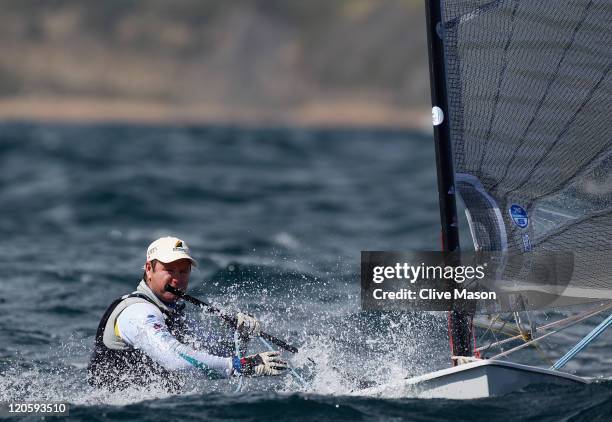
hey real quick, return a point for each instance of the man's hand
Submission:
(247, 325)
(266, 363)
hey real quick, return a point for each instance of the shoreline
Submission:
(314, 114)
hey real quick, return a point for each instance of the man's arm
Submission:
(142, 326)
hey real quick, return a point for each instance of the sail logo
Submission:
(526, 243)
(519, 216)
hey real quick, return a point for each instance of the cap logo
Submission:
(179, 246)
(152, 251)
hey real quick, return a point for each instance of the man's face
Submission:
(174, 273)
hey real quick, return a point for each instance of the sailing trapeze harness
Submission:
(116, 365)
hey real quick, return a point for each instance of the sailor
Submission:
(142, 337)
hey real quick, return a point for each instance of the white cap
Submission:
(169, 249)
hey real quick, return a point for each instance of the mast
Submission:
(459, 322)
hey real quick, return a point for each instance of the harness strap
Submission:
(110, 339)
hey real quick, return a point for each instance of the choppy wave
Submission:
(276, 218)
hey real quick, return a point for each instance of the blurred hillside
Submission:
(310, 61)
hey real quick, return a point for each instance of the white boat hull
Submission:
(483, 378)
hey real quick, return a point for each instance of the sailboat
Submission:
(521, 97)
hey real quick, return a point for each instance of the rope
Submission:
(548, 334)
(476, 352)
(493, 321)
(237, 351)
(495, 340)
(450, 337)
(293, 372)
(579, 317)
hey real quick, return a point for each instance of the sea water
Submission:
(277, 218)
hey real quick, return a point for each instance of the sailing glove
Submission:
(266, 363)
(247, 325)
